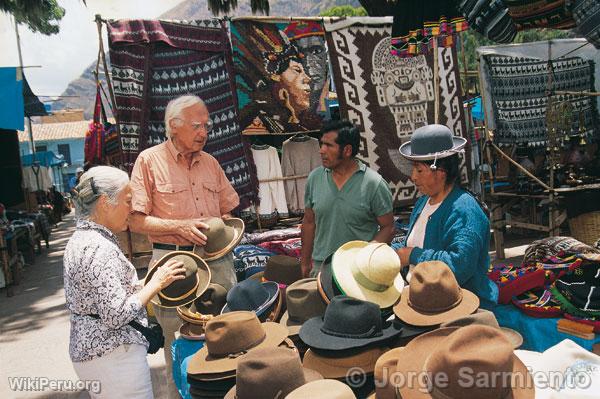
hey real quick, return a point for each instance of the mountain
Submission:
(85, 88)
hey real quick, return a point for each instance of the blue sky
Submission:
(64, 56)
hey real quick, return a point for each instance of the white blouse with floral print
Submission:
(100, 280)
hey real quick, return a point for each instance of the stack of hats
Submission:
(222, 236)
(264, 299)
(351, 334)
(474, 361)
(303, 303)
(203, 309)
(229, 338)
(363, 270)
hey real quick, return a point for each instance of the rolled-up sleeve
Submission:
(141, 187)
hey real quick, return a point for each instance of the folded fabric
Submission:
(271, 235)
(250, 259)
(290, 247)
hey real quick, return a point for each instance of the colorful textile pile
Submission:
(272, 235)
(519, 97)
(250, 259)
(418, 23)
(156, 61)
(388, 97)
(290, 247)
(282, 75)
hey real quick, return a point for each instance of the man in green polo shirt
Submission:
(344, 199)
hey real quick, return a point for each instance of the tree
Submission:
(39, 15)
(344, 11)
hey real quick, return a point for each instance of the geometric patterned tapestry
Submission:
(281, 74)
(154, 62)
(388, 97)
(519, 96)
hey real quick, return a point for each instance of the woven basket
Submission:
(586, 227)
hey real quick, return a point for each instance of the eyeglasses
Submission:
(199, 125)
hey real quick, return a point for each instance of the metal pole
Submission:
(31, 143)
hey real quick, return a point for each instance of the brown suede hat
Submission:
(303, 302)
(434, 296)
(474, 362)
(280, 268)
(222, 236)
(229, 337)
(181, 292)
(486, 318)
(270, 373)
(335, 364)
(384, 374)
(192, 332)
(322, 389)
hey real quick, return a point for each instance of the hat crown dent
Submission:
(345, 313)
(433, 286)
(217, 236)
(430, 139)
(268, 371)
(481, 317)
(233, 332)
(473, 349)
(379, 263)
(303, 300)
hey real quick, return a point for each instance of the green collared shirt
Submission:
(347, 214)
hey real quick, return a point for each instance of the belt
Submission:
(172, 247)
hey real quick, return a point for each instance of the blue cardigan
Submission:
(458, 234)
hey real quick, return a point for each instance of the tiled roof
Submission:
(55, 131)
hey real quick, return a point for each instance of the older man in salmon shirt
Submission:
(175, 186)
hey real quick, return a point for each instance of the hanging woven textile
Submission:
(417, 23)
(94, 137)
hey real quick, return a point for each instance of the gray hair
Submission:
(176, 106)
(98, 181)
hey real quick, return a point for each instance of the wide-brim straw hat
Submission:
(432, 142)
(198, 283)
(434, 297)
(368, 271)
(432, 353)
(233, 231)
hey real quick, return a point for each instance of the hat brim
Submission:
(385, 368)
(203, 273)
(325, 281)
(342, 274)
(458, 143)
(309, 376)
(412, 360)
(273, 290)
(203, 363)
(311, 334)
(238, 230)
(408, 330)
(186, 331)
(331, 367)
(292, 326)
(468, 305)
(185, 315)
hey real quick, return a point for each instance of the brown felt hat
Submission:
(385, 374)
(222, 236)
(486, 318)
(303, 302)
(229, 337)
(212, 300)
(181, 292)
(270, 373)
(280, 268)
(192, 332)
(334, 364)
(474, 362)
(434, 296)
(322, 389)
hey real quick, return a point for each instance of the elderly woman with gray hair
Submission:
(103, 293)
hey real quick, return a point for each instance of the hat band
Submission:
(179, 298)
(242, 351)
(438, 309)
(364, 280)
(372, 333)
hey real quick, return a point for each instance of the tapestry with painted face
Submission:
(281, 74)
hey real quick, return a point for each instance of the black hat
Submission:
(327, 285)
(250, 295)
(347, 323)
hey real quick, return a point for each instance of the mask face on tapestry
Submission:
(315, 65)
(405, 85)
(296, 83)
